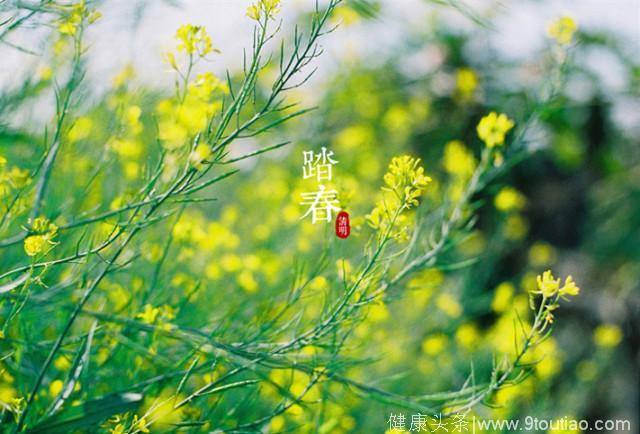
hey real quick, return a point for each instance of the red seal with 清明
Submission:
(343, 227)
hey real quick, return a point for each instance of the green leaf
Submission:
(89, 414)
(365, 8)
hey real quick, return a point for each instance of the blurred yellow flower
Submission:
(502, 298)
(118, 429)
(492, 128)
(509, 199)
(541, 254)
(458, 159)
(434, 345)
(467, 336)
(62, 363)
(378, 312)
(140, 424)
(516, 227)
(200, 155)
(607, 335)
(263, 8)
(562, 29)
(149, 314)
(466, 81)
(55, 387)
(247, 282)
(449, 305)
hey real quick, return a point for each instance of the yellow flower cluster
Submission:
(263, 8)
(11, 178)
(70, 24)
(128, 145)
(42, 234)
(194, 40)
(562, 30)
(405, 183)
(549, 286)
(493, 127)
(406, 178)
(180, 119)
(158, 315)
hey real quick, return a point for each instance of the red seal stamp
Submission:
(343, 227)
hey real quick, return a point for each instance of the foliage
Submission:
(156, 275)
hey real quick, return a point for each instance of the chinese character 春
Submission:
(321, 204)
(318, 165)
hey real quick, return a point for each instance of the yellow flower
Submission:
(493, 127)
(405, 182)
(607, 335)
(70, 24)
(16, 405)
(569, 287)
(541, 254)
(467, 336)
(55, 387)
(149, 315)
(547, 284)
(43, 234)
(140, 424)
(562, 29)
(168, 312)
(62, 363)
(194, 40)
(502, 298)
(199, 156)
(405, 175)
(42, 225)
(118, 429)
(247, 282)
(267, 8)
(434, 345)
(449, 305)
(458, 160)
(509, 199)
(35, 244)
(378, 312)
(466, 81)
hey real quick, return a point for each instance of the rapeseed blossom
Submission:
(548, 286)
(493, 127)
(562, 29)
(267, 8)
(194, 40)
(405, 183)
(42, 234)
(140, 424)
(407, 176)
(70, 24)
